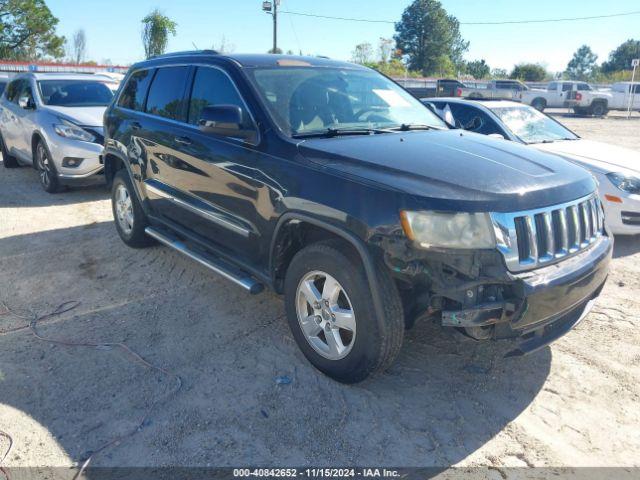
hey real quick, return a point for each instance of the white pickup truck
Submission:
(555, 96)
(495, 89)
(599, 102)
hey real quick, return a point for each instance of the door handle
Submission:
(135, 126)
(183, 140)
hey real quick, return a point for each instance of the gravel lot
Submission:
(447, 400)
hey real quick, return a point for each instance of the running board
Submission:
(236, 276)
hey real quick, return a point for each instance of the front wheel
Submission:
(46, 169)
(332, 317)
(539, 104)
(129, 217)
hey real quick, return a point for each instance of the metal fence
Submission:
(19, 67)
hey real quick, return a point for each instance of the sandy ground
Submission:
(447, 401)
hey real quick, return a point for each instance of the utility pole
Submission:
(275, 25)
(271, 7)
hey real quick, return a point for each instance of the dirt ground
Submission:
(447, 400)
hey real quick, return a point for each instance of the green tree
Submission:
(156, 28)
(28, 30)
(427, 33)
(499, 73)
(529, 72)
(583, 65)
(478, 69)
(620, 58)
(362, 53)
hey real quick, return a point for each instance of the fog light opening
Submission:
(72, 162)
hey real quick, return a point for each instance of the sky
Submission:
(113, 28)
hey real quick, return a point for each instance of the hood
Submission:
(83, 116)
(600, 157)
(455, 169)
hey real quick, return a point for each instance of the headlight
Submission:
(449, 230)
(69, 130)
(626, 183)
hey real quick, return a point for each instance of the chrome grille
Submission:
(536, 238)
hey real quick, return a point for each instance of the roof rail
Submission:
(187, 52)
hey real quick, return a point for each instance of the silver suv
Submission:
(54, 123)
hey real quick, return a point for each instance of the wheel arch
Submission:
(284, 237)
(112, 164)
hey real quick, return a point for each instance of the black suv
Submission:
(328, 183)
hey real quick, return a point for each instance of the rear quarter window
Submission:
(134, 92)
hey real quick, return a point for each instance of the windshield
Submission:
(531, 126)
(308, 100)
(75, 93)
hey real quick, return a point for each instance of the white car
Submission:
(617, 169)
(53, 122)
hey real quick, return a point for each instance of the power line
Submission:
(508, 22)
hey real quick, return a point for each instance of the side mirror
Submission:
(499, 136)
(225, 120)
(26, 102)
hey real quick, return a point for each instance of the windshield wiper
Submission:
(338, 132)
(407, 127)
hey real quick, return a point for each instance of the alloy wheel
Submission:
(124, 209)
(44, 166)
(326, 315)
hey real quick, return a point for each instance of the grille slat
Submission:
(594, 217)
(564, 232)
(535, 238)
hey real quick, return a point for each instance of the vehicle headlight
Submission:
(69, 130)
(626, 183)
(449, 230)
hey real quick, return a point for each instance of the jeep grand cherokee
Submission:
(328, 183)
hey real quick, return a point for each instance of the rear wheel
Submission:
(599, 109)
(46, 169)
(8, 161)
(539, 104)
(129, 217)
(332, 317)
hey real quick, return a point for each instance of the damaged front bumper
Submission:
(544, 304)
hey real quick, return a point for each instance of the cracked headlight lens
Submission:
(449, 230)
(626, 183)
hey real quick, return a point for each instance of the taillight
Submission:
(459, 92)
(578, 96)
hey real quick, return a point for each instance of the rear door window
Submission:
(166, 95)
(211, 87)
(135, 91)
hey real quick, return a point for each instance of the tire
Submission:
(599, 109)
(9, 161)
(369, 346)
(539, 104)
(128, 215)
(47, 173)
